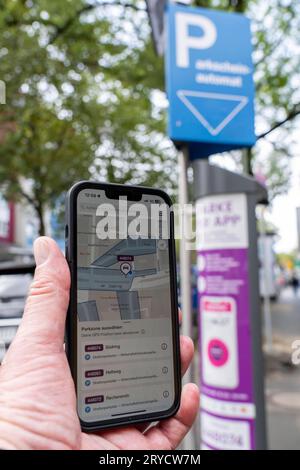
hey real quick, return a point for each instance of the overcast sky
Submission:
(283, 212)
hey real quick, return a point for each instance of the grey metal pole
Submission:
(246, 162)
(298, 226)
(185, 256)
(256, 327)
(266, 296)
(185, 270)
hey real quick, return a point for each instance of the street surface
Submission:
(283, 378)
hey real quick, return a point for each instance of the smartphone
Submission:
(122, 326)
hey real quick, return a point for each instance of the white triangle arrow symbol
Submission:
(241, 101)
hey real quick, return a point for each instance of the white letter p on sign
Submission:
(184, 42)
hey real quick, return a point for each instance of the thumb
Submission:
(42, 327)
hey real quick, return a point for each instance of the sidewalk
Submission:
(282, 378)
(286, 316)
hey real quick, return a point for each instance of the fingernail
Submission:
(41, 251)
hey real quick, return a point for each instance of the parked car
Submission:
(8, 330)
(13, 292)
(16, 271)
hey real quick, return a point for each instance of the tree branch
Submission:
(290, 116)
(273, 47)
(59, 30)
(24, 194)
(62, 29)
(28, 198)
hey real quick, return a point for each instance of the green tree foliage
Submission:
(80, 80)
(85, 94)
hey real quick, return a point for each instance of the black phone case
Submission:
(71, 325)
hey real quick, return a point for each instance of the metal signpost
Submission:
(298, 226)
(232, 384)
(155, 9)
(265, 280)
(210, 90)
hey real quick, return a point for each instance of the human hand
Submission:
(37, 394)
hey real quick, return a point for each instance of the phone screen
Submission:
(125, 336)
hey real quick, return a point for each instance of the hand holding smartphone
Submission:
(122, 331)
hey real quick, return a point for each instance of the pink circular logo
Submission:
(217, 352)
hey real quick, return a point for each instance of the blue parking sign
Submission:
(209, 80)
